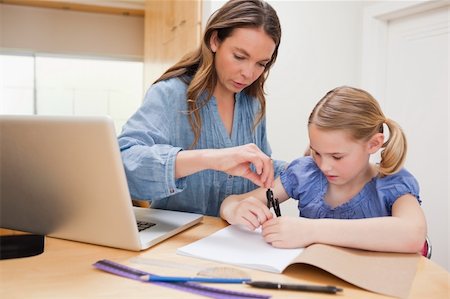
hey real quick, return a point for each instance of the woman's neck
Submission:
(223, 95)
(225, 106)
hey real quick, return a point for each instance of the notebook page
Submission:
(237, 246)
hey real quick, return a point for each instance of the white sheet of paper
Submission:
(241, 247)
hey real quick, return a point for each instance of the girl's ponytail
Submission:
(394, 150)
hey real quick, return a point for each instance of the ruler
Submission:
(190, 287)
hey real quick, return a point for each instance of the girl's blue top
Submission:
(304, 181)
(152, 137)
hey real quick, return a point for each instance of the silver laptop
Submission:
(63, 177)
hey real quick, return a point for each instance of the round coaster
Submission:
(15, 246)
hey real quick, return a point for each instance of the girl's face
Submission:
(339, 157)
(241, 58)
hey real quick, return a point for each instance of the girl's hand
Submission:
(249, 212)
(288, 232)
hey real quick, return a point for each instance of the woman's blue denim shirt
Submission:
(159, 129)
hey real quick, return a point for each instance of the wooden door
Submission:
(172, 29)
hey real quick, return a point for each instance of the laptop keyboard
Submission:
(144, 225)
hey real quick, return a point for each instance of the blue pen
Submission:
(155, 278)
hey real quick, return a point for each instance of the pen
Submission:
(295, 287)
(192, 279)
(273, 202)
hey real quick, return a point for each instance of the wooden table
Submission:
(65, 270)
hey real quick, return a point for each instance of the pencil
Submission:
(155, 278)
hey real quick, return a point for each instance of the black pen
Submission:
(273, 202)
(294, 287)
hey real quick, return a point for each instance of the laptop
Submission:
(63, 176)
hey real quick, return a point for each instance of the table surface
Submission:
(65, 270)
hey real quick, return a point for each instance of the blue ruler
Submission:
(191, 287)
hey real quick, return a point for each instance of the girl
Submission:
(202, 123)
(344, 200)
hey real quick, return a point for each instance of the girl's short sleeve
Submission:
(301, 178)
(391, 187)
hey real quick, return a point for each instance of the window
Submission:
(16, 84)
(50, 85)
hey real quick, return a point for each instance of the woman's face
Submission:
(241, 58)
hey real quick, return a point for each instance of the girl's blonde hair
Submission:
(197, 68)
(356, 111)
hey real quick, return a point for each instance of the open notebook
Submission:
(386, 273)
(63, 176)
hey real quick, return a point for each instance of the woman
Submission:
(200, 134)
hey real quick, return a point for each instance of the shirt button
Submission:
(171, 190)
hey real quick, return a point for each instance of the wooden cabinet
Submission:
(172, 28)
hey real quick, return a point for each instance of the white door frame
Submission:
(375, 38)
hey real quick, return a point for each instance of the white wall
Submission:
(32, 29)
(320, 50)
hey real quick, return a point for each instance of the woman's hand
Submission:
(288, 232)
(249, 212)
(237, 161)
(232, 160)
